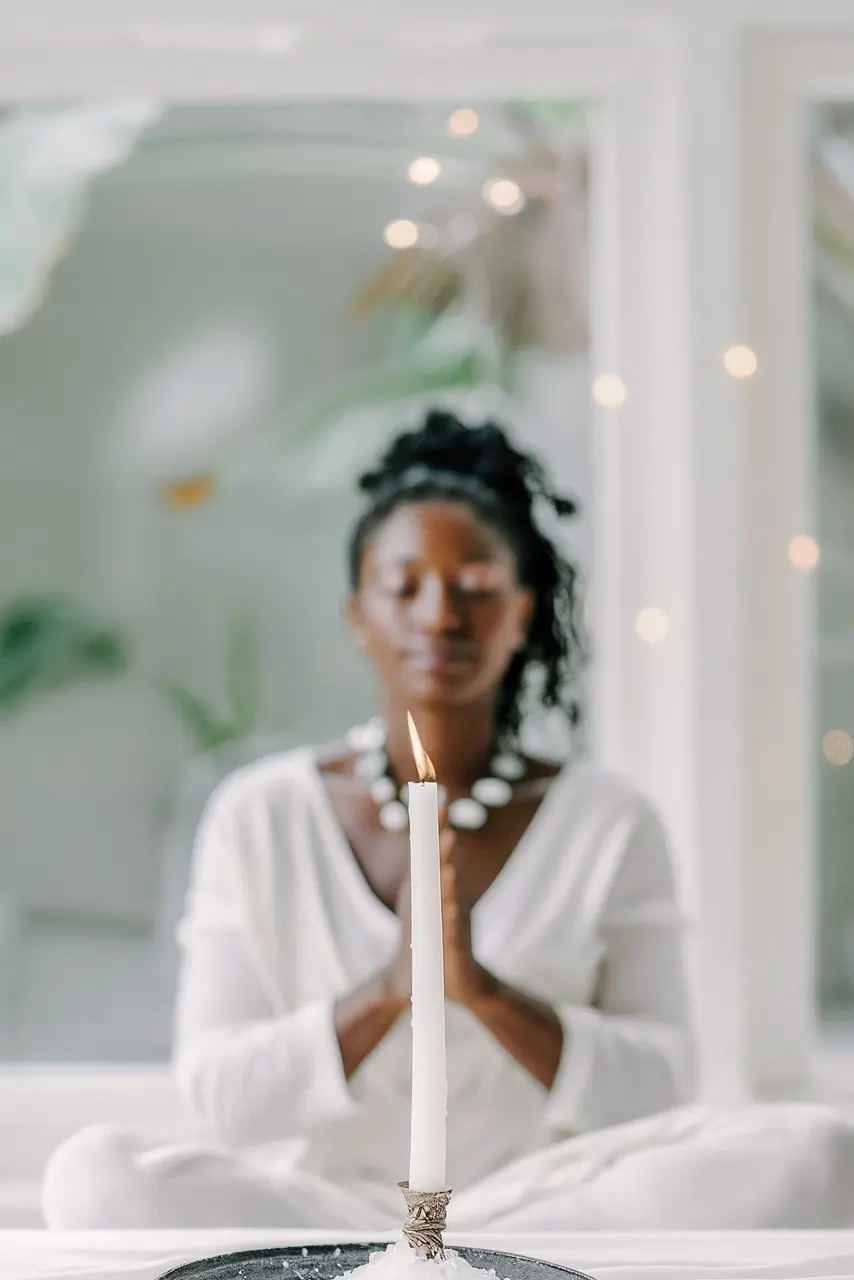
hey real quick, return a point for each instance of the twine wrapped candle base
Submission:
(425, 1220)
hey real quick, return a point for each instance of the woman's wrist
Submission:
(364, 1017)
(530, 1031)
(479, 991)
(391, 991)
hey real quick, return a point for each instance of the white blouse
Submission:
(280, 922)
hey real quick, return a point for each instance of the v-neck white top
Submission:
(280, 922)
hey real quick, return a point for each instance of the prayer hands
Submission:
(464, 978)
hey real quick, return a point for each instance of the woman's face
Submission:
(439, 610)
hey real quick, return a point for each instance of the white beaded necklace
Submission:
(467, 813)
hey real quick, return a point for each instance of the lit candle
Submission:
(429, 1068)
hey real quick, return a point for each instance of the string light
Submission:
(504, 195)
(609, 391)
(652, 625)
(401, 234)
(804, 553)
(838, 747)
(463, 122)
(740, 362)
(424, 170)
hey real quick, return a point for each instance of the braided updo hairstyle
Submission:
(446, 459)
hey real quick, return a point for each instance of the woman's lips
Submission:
(441, 658)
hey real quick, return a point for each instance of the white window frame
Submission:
(683, 265)
(644, 534)
(784, 72)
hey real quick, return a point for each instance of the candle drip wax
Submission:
(400, 1262)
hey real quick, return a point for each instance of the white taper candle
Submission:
(427, 1155)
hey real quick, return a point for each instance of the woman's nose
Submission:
(436, 607)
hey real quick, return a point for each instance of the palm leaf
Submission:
(413, 280)
(206, 729)
(243, 677)
(400, 379)
(834, 242)
(50, 643)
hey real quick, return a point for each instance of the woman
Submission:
(567, 1016)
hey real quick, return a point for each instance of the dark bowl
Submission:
(329, 1261)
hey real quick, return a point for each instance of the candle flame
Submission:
(423, 763)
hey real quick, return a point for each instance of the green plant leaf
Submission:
(208, 730)
(551, 111)
(243, 671)
(834, 242)
(49, 643)
(205, 728)
(395, 380)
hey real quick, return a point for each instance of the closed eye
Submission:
(485, 580)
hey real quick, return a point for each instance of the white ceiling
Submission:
(480, 18)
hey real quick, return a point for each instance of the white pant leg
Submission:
(103, 1178)
(771, 1167)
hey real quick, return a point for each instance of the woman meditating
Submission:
(569, 1044)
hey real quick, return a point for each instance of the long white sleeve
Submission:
(253, 1073)
(631, 1053)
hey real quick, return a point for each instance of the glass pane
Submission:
(833, 200)
(210, 323)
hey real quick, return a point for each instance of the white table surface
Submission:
(130, 1255)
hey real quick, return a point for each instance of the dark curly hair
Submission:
(446, 459)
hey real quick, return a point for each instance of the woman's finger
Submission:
(450, 912)
(447, 842)
(403, 905)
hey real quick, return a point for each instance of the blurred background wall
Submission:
(185, 403)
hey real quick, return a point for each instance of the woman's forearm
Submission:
(531, 1032)
(364, 1017)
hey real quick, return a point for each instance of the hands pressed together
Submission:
(528, 1030)
(465, 979)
